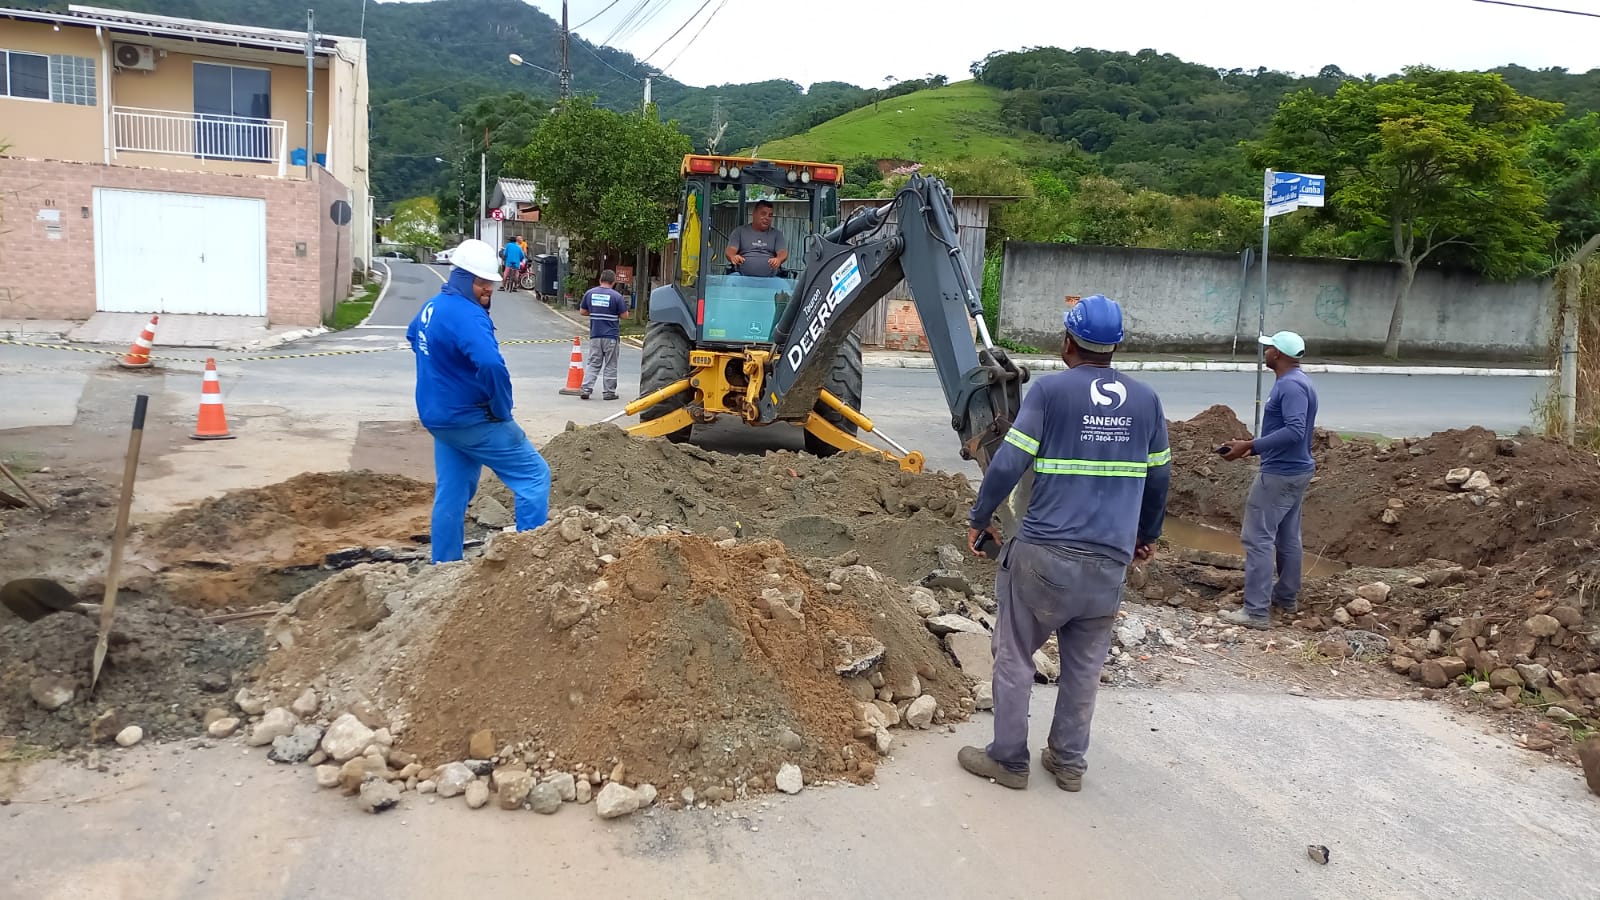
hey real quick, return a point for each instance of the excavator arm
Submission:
(852, 267)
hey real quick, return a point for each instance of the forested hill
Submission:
(1157, 121)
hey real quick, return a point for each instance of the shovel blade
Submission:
(31, 599)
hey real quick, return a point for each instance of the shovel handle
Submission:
(130, 468)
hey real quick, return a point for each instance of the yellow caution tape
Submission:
(154, 356)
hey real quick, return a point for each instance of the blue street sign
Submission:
(1288, 191)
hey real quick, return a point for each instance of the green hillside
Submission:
(958, 120)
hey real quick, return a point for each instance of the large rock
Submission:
(378, 795)
(1360, 606)
(452, 780)
(513, 788)
(278, 722)
(1588, 685)
(129, 736)
(1505, 677)
(1130, 632)
(1432, 674)
(480, 744)
(477, 794)
(327, 776)
(615, 800)
(252, 702)
(1533, 675)
(566, 785)
(1478, 481)
(545, 799)
(1568, 616)
(223, 727)
(790, 779)
(1458, 477)
(1454, 666)
(296, 747)
(920, 713)
(949, 579)
(1589, 755)
(52, 692)
(346, 738)
(358, 770)
(923, 603)
(983, 695)
(1542, 626)
(490, 513)
(974, 653)
(951, 623)
(1376, 592)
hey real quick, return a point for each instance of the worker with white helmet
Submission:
(464, 400)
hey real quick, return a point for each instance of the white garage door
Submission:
(180, 253)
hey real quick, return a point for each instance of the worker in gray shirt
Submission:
(758, 249)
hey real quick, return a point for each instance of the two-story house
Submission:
(151, 164)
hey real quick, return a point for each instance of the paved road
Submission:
(519, 316)
(1190, 794)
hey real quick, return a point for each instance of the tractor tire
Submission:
(666, 360)
(844, 381)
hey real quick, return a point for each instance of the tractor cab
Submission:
(729, 304)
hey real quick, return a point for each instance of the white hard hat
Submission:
(478, 258)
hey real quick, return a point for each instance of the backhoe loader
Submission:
(782, 348)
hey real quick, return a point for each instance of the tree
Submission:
(1566, 157)
(610, 179)
(1431, 167)
(416, 223)
(509, 120)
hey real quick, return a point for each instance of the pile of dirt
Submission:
(164, 669)
(261, 545)
(817, 507)
(596, 642)
(1390, 504)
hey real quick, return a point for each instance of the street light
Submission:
(517, 60)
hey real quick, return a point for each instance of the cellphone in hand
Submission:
(985, 543)
(1222, 449)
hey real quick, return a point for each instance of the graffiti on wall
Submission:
(1333, 305)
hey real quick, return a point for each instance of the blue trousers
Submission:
(1271, 538)
(459, 455)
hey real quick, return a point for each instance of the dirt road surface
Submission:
(1189, 795)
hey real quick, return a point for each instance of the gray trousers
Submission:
(1271, 538)
(1043, 590)
(602, 353)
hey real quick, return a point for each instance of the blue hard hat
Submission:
(1095, 323)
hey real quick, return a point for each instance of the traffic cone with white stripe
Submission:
(139, 353)
(213, 424)
(575, 370)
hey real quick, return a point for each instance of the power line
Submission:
(678, 32)
(603, 11)
(696, 36)
(1570, 12)
(637, 25)
(626, 21)
(596, 54)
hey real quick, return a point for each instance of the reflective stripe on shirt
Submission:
(1095, 467)
(1022, 442)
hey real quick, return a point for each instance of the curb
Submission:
(383, 291)
(1055, 365)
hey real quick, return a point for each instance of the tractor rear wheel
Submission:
(844, 381)
(666, 360)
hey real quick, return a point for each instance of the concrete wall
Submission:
(1180, 301)
(47, 274)
(334, 261)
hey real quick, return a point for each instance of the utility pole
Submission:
(566, 73)
(311, 49)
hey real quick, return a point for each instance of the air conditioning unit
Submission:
(135, 56)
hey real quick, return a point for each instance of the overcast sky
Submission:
(861, 41)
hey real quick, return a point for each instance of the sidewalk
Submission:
(1140, 362)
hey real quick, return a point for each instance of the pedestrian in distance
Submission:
(513, 256)
(1096, 441)
(1271, 530)
(464, 400)
(605, 308)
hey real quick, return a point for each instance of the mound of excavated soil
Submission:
(1541, 491)
(596, 641)
(817, 507)
(164, 669)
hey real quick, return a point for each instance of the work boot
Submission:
(1066, 779)
(1240, 617)
(976, 760)
(610, 396)
(584, 395)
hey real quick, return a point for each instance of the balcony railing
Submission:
(200, 136)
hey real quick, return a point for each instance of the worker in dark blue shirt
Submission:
(464, 400)
(604, 307)
(1096, 441)
(1271, 529)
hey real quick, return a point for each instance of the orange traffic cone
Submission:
(139, 353)
(575, 371)
(213, 424)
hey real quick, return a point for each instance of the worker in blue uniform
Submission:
(1096, 441)
(464, 400)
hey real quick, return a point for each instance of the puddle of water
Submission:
(1215, 540)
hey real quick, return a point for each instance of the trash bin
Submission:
(549, 278)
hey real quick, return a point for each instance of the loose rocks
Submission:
(378, 795)
(545, 799)
(296, 747)
(453, 779)
(278, 722)
(920, 713)
(305, 705)
(327, 776)
(129, 736)
(477, 794)
(223, 727)
(616, 800)
(346, 738)
(790, 780)
(52, 692)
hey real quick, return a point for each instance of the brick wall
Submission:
(902, 328)
(47, 268)
(334, 263)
